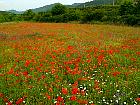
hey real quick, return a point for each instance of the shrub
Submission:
(130, 20)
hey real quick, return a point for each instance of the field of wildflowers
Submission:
(69, 64)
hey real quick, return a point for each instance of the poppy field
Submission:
(69, 64)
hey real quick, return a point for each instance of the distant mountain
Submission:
(44, 8)
(86, 4)
(76, 4)
(103, 2)
(49, 7)
(4, 12)
(40, 9)
(16, 12)
(91, 3)
(97, 2)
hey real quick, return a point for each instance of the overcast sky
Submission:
(21, 5)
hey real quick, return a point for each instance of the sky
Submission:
(22, 5)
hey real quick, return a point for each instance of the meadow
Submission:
(69, 64)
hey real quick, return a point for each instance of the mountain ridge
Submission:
(74, 5)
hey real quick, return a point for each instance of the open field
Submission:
(69, 64)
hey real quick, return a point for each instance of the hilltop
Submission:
(75, 5)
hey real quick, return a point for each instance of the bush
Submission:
(104, 18)
(96, 15)
(130, 20)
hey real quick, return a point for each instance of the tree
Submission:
(137, 5)
(58, 9)
(126, 8)
(28, 15)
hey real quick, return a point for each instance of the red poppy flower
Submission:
(70, 47)
(27, 63)
(5, 100)
(41, 65)
(43, 76)
(82, 102)
(75, 84)
(116, 73)
(88, 61)
(83, 92)
(74, 90)
(16, 74)
(59, 99)
(19, 101)
(11, 71)
(73, 98)
(1, 95)
(100, 57)
(57, 103)
(1, 66)
(68, 55)
(25, 73)
(138, 53)
(49, 97)
(9, 103)
(105, 65)
(138, 99)
(110, 52)
(64, 91)
(62, 104)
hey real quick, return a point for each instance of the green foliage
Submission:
(137, 7)
(58, 9)
(74, 15)
(97, 3)
(28, 15)
(41, 16)
(6, 17)
(126, 8)
(128, 12)
(96, 15)
(130, 19)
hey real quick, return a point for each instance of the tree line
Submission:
(126, 13)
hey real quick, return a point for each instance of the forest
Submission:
(127, 13)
